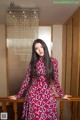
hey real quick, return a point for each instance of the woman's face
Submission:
(39, 49)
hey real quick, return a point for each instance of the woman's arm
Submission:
(56, 82)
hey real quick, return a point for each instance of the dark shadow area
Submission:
(10, 111)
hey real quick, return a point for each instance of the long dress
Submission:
(40, 100)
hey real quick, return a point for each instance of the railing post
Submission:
(4, 109)
(15, 110)
(73, 110)
(61, 109)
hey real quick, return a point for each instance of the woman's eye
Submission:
(40, 47)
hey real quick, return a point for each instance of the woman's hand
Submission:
(13, 97)
(67, 97)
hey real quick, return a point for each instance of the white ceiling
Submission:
(49, 13)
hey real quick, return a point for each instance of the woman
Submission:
(40, 100)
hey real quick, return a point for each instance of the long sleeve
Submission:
(56, 82)
(24, 84)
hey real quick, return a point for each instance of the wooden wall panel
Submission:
(68, 55)
(75, 55)
(79, 57)
(64, 58)
(71, 54)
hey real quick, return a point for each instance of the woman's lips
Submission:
(40, 52)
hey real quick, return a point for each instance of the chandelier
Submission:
(22, 30)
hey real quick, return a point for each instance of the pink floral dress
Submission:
(40, 99)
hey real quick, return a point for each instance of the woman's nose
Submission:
(40, 49)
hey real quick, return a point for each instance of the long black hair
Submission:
(47, 61)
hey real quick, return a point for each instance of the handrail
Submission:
(72, 100)
(6, 99)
